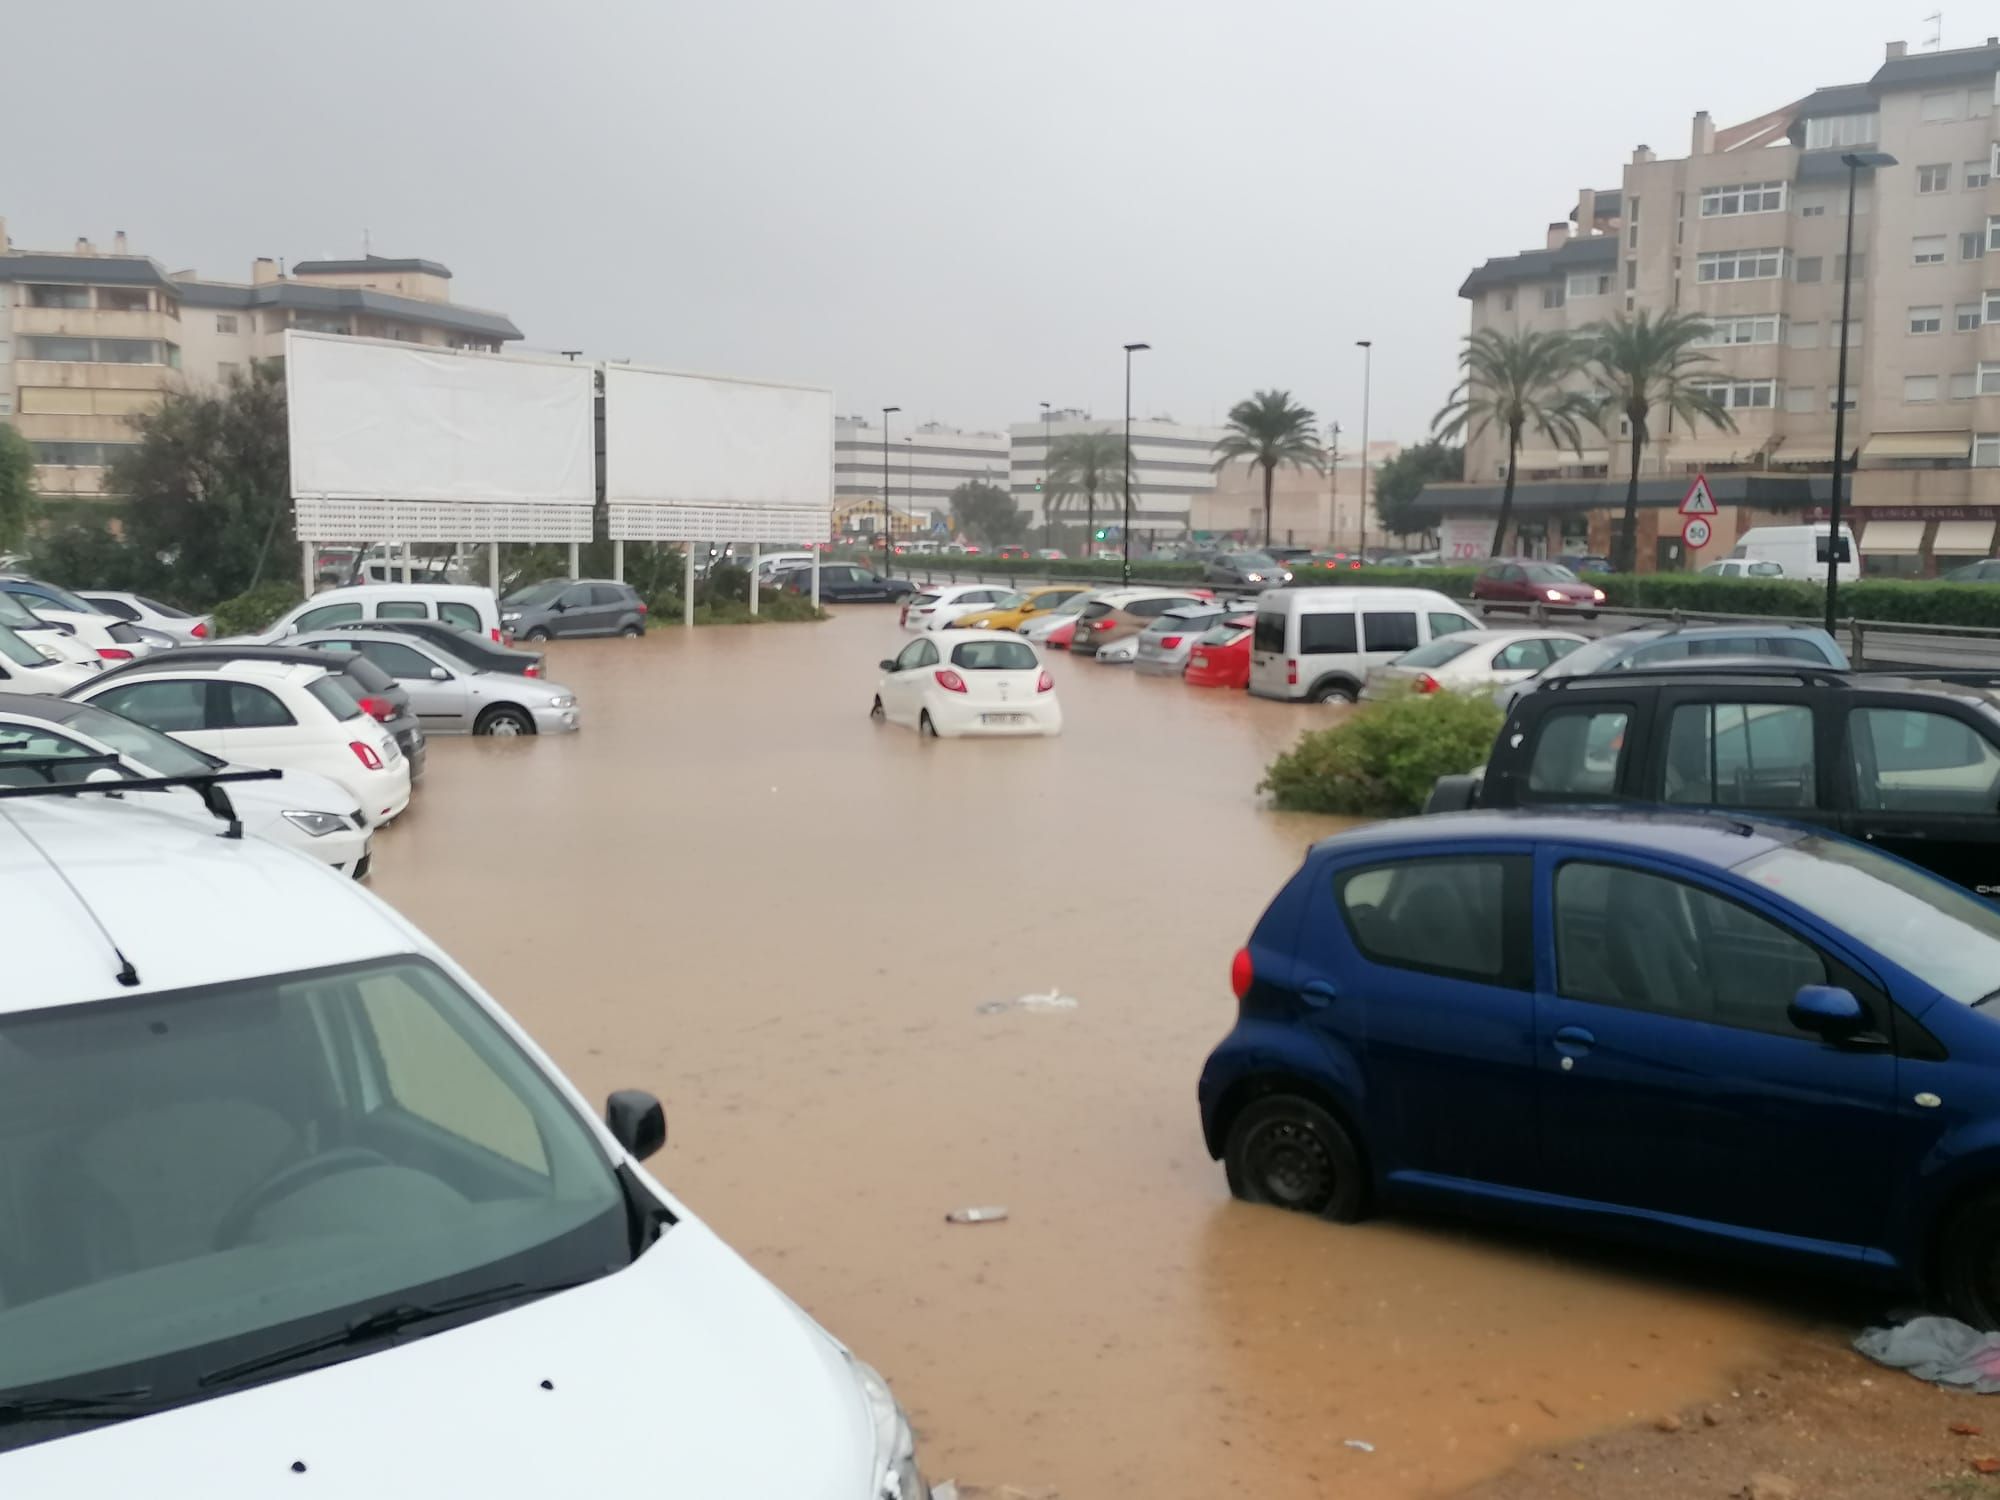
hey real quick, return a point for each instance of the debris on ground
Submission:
(1667, 1422)
(1053, 999)
(1770, 1487)
(987, 1213)
(1359, 1444)
(1942, 1350)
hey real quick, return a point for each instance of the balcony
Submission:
(31, 372)
(91, 322)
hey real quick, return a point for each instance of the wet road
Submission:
(735, 890)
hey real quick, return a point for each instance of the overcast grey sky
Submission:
(958, 207)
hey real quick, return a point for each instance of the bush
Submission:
(250, 612)
(1381, 758)
(773, 607)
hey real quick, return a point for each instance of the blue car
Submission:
(1706, 1031)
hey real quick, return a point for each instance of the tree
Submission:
(1512, 382)
(986, 513)
(1639, 364)
(1086, 464)
(17, 487)
(1399, 481)
(1267, 430)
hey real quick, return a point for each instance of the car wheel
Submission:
(633, 630)
(538, 633)
(877, 713)
(1590, 614)
(504, 721)
(925, 727)
(1285, 1151)
(1969, 1262)
(1331, 692)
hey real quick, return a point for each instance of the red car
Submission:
(1011, 553)
(1529, 580)
(1060, 636)
(1221, 657)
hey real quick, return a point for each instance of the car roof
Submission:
(241, 908)
(282, 673)
(1716, 839)
(204, 657)
(1354, 593)
(955, 634)
(1650, 633)
(374, 633)
(366, 591)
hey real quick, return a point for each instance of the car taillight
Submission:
(368, 758)
(905, 617)
(378, 708)
(114, 653)
(1291, 673)
(200, 631)
(533, 671)
(1169, 642)
(1242, 972)
(495, 633)
(642, 602)
(1104, 624)
(1045, 683)
(949, 680)
(1426, 683)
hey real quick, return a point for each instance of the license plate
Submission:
(1003, 718)
(1199, 661)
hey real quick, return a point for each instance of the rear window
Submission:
(994, 656)
(1436, 654)
(1097, 609)
(1269, 634)
(332, 695)
(1224, 634)
(921, 599)
(461, 616)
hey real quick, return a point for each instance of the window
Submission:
(1631, 274)
(1799, 398)
(1920, 387)
(1267, 634)
(225, 322)
(463, 616)
(1976, 174)
(397, 660)
(1552, 294)
(911, 656)
(1860, 266)
(1587, 284)
(402, 609)
(252, 707)
(110, 606)
(1522, 656)
(1739, 265)
(994, 656)
(1461, 917)
(124, 299)
(1965, 317)
(73, 351)
(58, 296)
(1320, 634)
(1993, 231)
(77, 455)
(1811, 205)
(1759, 329)
(1960, 387)
(173, 707)
(327, 614)
(1738, 395)
(1849, 398)
(1805, 270)
(1448, 624)
(1934, 179)
(1741, 755)
(612, 595)
(1853, 335)
(1986, 451)
(1927, 250)
(1578, 752)
(1842, 130)
(1971, 245)
(1743, 198)
(1989, 379)
(1388, 630)
(1506, 302)
(1948, 105)
(1927, 320)
(227, 370)
(1802, 335)
(1641, 941)
(1912, 760)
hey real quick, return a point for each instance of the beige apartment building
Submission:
(1746, 230)
(90, 337)
(1307, 509)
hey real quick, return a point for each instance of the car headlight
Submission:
(317, 824)
(1254, 577)
(894, 1474)
(1597, 596)
(563, 700)
(508, 617)
(1554, 596)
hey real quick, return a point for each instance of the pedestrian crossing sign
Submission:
(1700, 501)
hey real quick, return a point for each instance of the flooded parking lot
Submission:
(734, 889)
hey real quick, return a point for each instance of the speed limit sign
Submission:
(1696, 532)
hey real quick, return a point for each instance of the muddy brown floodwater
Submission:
(733, 889)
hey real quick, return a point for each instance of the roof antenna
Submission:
(127, 975)
(1936, 42)
(366, 246)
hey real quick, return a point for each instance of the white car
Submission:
(1743, 567)
(23, 669)
(1120, 653)
(266, 714)
(137, 609)
(934, 609)
(51, 641)
(461, 606)
(770, 564)
(299, 1207)
(953, 683)
(1469, 660)
(298, 809)
(113, 639)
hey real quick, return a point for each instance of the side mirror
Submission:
(439, 674)
(1827, 1011)
(887, 666)
(636, 1121)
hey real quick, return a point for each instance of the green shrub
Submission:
(255, 610)
(1381, 758)
(1693, 591)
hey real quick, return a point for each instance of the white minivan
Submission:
(462, 606)
(1318, 644)
(1799, 550)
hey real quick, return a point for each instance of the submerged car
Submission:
(955, 683)
(1220, 657)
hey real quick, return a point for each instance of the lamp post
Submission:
(1367, 348)
(1048, 496)
(1854, 162)
(1125, 572)
(887, 412)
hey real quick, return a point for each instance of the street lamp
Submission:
(910, 480)
(1367, 348)
(887, 412)
(1854, 162)
(1048, 514)
(1126, 571)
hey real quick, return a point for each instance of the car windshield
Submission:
(17, 616)
(18, 651)
(144, 745)
(1011, 601)
(536, 594)
(1436, 653)
(1940, 932)
(1253, 559)
(219, 1184)
(64, 599)
(1073, 605)
(994, 656)
(1550, 573)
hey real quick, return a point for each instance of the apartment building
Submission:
(90, 338)
(1173, 467)
(923, 464)
(1308, 509)
(1747, 231)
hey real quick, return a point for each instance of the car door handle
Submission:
(1573, 1041)
(1318, 993)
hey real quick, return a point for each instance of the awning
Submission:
(1731, 448)
(1563, 458)
(1807, 451)
(1974, 537)
(1901, 537)
(1918, 445)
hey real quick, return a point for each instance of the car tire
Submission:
(877, 712)
(1968, 1261)
(925, 727)
(633, 631)
(505, 722)
(538, 633)
(1331, 692)
(1590, 614)
(1287, 1152)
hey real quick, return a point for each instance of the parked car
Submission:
(1800, 550)
(1012, 611)
(450, 697)
(475, 651)
(112, 639)
(1043, 626)
(1163, 647)
(1318, 644)
(1241, 569)
(51, 641)
(1115, 615)
(47, 741)
(940, 607)
(1703, 1032)
(1012, 553)
(1315, 565)
(267, 714)
(1470, 659)
(953, 683)
(1525, 581)
(1910, 764)
(846, 583)
(579, 606)
(23, 669)
(285, 1168)
(1987, 570)
(1656, 645)
(770, 564)
(1586, 562)
(473, 610)
(1220, 656)
(137, 609)
(1051, 554)
(1742, 567)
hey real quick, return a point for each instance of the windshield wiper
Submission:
(80, 1405)
(384, 1323)
(1992, 995)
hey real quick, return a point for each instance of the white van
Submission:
(1318, 644)
(1799, 550)
(473, 610)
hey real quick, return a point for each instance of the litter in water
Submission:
(1940, 1349)
(990, 1213)
(1054, 1000)
(1360, 1444)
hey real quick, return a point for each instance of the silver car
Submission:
(1164, 645)
(451, 695)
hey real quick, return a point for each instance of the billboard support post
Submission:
(573, 559)
(618, 559)
(687, 587)
(493, 567)
(756, 552)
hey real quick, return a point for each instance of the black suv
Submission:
(1908, 764)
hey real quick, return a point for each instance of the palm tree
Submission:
(1086, 464)
(1267, 430)
(1641, 364)
(1513, 382)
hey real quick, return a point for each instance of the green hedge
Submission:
(255, 610)
(1381, 759)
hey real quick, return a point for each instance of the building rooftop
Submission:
(367, 263)
(1581, 253)
(307, 298)
(93, 270)
(1928, 69)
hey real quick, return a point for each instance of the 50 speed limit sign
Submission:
(1696, 532)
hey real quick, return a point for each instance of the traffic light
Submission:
(1038, 486)
(1099, 533)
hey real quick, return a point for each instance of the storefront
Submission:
(1919, 541)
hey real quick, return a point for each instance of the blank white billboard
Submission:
(375, 420)
(697, 440)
